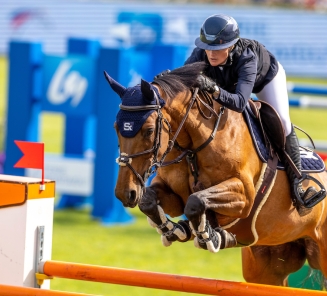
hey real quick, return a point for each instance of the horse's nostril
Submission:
(132, 196)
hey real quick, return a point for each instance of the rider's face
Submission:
(217, 57)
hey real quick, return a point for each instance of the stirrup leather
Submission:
(312, 200)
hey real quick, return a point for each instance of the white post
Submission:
(24, 209)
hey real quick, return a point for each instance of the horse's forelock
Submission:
(180, 79)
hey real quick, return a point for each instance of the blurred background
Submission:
(52, 55)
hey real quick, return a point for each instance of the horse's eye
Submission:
(149, 132)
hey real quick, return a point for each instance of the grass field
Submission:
(78, 238)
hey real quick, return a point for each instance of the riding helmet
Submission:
(218, 32)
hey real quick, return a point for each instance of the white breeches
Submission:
(275, 94)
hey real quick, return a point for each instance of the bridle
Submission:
(126, 160)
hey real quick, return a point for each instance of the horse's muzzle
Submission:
(129, 198)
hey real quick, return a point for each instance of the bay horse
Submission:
(208, 170)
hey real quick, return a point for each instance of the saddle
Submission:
(270, 123)
(274, 138)
(268, 134)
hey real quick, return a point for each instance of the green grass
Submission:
(313, 121)
(78, 238)
(133, 246)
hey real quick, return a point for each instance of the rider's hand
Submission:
(206, 84)
(162, 73)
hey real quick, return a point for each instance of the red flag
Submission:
(323, 156)
(33, 157)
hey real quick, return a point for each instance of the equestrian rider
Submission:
(239, 67)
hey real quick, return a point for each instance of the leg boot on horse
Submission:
(206, 237)
(169, 230)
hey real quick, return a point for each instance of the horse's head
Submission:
(139, 126)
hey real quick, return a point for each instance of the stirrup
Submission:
(312, 200)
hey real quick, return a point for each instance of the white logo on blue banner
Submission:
(66, 84)
(69, 85)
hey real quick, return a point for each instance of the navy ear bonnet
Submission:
(130, 122)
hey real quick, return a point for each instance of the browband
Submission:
(139, 108)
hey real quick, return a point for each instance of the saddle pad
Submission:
(311, 162)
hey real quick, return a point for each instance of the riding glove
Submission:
(206, 84)
(164, 72)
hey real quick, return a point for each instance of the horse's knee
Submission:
(194, 207)
(148, 202)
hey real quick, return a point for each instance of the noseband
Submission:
(125, 160)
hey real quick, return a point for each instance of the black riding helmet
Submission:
(218, 32)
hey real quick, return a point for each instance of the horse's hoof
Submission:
(175, 232)
(171, 231)
(208, 239)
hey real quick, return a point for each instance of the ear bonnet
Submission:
(129, 122)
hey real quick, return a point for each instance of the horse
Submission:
(208, 170)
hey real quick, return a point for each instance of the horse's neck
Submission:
(175, 114)
(231, 130)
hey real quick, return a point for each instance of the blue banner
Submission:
(68, 85)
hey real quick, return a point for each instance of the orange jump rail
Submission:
(24, 291)
(164, 281)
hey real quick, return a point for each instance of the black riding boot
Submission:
(292, 149)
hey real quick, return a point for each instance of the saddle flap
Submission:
(272, 125)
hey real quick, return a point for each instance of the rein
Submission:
(125, 160)
(188, 153)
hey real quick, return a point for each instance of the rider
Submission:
(239, 67)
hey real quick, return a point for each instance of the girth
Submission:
(244, 229)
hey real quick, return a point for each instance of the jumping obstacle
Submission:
(308, 102)
(23, 291)
(156, 280)
(311, 96)
(26, 217)
(307, 89)
(73, 85)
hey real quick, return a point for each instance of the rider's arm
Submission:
(247, 71)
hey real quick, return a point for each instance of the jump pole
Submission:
(26, 219)
(164, 281)
(24, 291)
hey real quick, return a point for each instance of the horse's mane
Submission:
(180, 79)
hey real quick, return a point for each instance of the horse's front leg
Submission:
(228, 200)
(158, 200)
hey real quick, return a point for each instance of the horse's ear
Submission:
(147, 91)
(116, 87)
